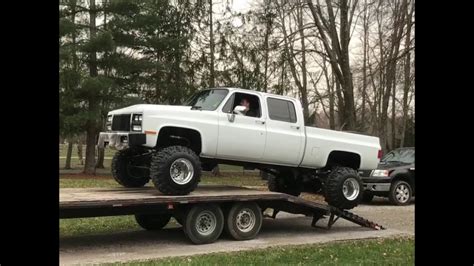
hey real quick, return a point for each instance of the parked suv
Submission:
(394, 177)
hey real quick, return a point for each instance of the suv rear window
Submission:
(281, 110)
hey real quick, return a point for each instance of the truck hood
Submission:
(140, 108)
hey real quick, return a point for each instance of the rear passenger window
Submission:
(281, 110)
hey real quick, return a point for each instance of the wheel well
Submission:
(405, 178)
(170, 136)
(343, 158)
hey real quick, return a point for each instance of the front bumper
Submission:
(121, 140)
(380, 184)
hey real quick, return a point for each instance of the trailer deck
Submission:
(94, 202)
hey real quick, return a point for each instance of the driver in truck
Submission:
(245, 102)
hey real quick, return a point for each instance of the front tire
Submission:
(125, 170)
(400, 193)
(175, 170)
(344, 188)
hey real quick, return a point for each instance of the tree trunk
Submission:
(89, 167)
(364, 67)
(79, 152)
(100, 158)
(407, 81)
(265, 43)
(394, 99)
(211, 43)
(68, 155)
(304, 73)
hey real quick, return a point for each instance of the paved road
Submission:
(287, 229)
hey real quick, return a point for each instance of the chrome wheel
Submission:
(181, 171)
(245, 220)
(351, 188)
(206, 223)
(402, 193)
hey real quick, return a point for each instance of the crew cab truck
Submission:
(171, 145)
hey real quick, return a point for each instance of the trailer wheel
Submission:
(129, 171)
(152, 221)
(175, 170)
(343, 188)
(243, 221)
(204, 223)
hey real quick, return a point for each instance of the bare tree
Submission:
(336, 45)
(407, 64)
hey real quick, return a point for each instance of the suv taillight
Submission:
(379, 156)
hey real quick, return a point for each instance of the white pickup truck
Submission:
(172, 144)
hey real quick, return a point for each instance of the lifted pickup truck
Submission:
(172, 144)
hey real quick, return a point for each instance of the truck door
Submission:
(241, 136)
(285, 133)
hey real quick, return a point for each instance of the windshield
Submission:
(207, 99)
(400, 155)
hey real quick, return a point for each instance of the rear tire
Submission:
(400, 193)
(244, 221)
(282, 183)
(152, 221)
(124, 172)
(344, 188)
(204, 223)
(175, 170)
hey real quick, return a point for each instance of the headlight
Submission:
(380, 172)
(137, 128)
(137, 117)
(109, 128)
(109, 119)
(137, 122)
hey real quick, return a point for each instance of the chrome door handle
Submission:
(260, 122)
(295, 127)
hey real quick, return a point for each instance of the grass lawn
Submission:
(395, 251)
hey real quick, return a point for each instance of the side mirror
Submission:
(237, 109)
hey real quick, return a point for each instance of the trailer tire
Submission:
(204, 223)
(344, 188)
(186, 168)
(152, 222)
(123, 172)
(244, 221)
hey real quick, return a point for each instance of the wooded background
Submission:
(350, 63)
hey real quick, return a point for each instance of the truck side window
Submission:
(237, 97)
(281, 110)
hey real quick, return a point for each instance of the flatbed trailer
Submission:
(204, 214)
